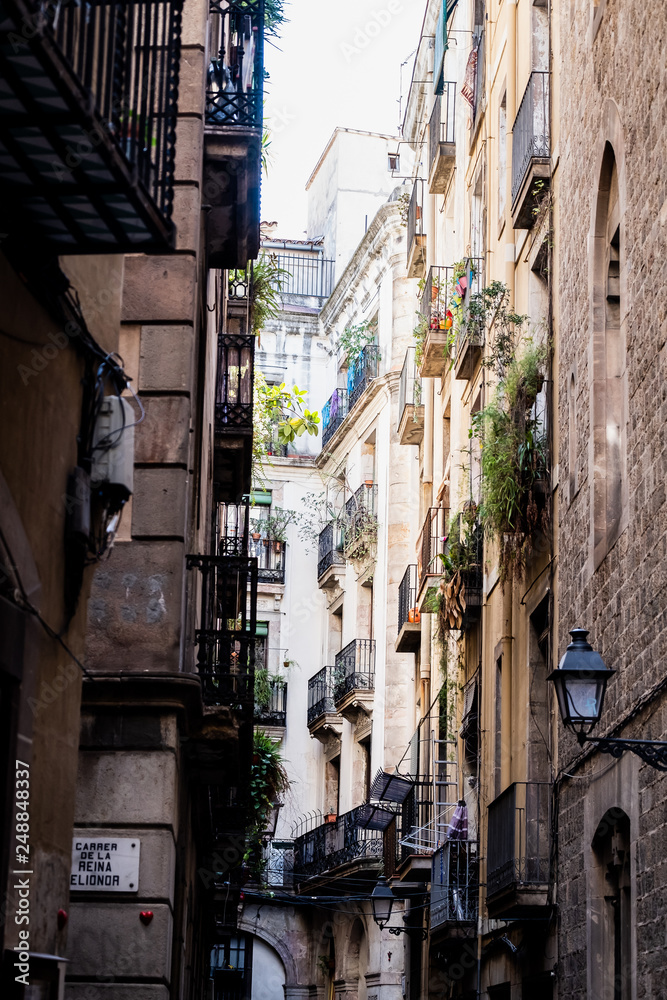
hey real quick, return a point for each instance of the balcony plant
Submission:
(354, 338)
(268, 781)
(278, 410)
(461, 568)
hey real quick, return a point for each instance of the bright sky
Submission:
(338, 65)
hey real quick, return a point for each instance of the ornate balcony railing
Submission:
(436, 302)
(407, 597)
(334, 412)
(234, 388)
(410, 385)
(361, 522)
(226, 636)
(275, 712)
(89, 114)
(310, 275)
(331, 845)
(321, 694)
(231, 526)
(454, 884)
(415, 221)
(519, 838)
(354, 668)
(362, 370)
(234, 83)
(330, 545)
(441, 128)
(270, 556)
(432, 543)
(279, 857)
(531, 130)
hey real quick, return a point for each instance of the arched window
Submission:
(611, 924)
(608, 365)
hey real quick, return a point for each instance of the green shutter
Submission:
(262, 628)
(260, 498)
(440, 49)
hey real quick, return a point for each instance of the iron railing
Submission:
(530, 132)
(436, 304)
(275, 712)
(234, 82)
(410, 385)
(234, 388)
(306, 275)
(407, 597)
(415, 214)
(519, 837)
(331, 845)
(226, 636)
(330, 545)
(279, 858)
(127, 57)
(361, 521)
(354, 668)
(432, 543)
(464, 546)
(270, 556)
(334, 412)
(454, 884)
(470, 330)
(441, 127)
(321, 694)
(230, 529)
(362, 370)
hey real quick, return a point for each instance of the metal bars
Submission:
(320, 694)
(519, 837)
(234, 83)
(334, 412)
(306, 275)
(354, 668)
(531, 132)
(441, 127)
(333, 844)
(407, 597)
(410, 385)
(330, 545)
(234, 389)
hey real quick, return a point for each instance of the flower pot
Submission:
(330, 818)
(256, 536)
(414, 616)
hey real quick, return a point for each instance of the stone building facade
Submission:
(612, 517)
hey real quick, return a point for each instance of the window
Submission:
(394, 162)
(498, 748)
(502, 159)
(611, 924)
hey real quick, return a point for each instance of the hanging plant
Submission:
(268, 781)
(354, 338)
(461, 579)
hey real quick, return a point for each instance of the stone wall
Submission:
(613, 90)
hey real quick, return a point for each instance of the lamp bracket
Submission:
(652, 752)
(409, 930)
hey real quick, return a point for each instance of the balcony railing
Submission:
(530, 133)
(279, 857)
(407, 598)
(362, 370)
(354, 668)
(410, 385)
(231, 528)
(270, 556)
(432, 544)
(234, 83)
(321, 694)
(415, 226)
(89, 116)
(330, 545)
(226, 636)
(454, 884)
(310, 275)
(471, 330)
(519, 838)
(234, 389)
(441, 139)
(331, 845)
(334, 412)
(275, 712)
(361, 522)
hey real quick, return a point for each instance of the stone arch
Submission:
(608, 368)
(611, 909)
(278, 945)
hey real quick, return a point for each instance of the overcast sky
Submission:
(338, 65)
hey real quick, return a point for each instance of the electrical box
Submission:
(112, 470)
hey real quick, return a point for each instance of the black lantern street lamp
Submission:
(581, 681)
(382, 901)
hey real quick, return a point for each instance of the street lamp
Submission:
(382, 901)
(581, 681)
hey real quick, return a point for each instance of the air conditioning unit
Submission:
(112, 469)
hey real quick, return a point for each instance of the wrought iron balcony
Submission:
(416, 233)
(354, 668)
(431, 546)
(361, 371)
(410, 407)
(454, 884)
(331, 845)
(233, 414)
(531, 149)
(321, 695)
(270, 556)
(464, 547)
(471, 331)
(441, 133)
(88, 121)
(275, 712)
(519, 848)
(361, 522)
(279, 857)
(409, 618)
(307, 275)
(233, 133)
(330, 545)
(231, 528)
(226, 636)
(334, 412)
